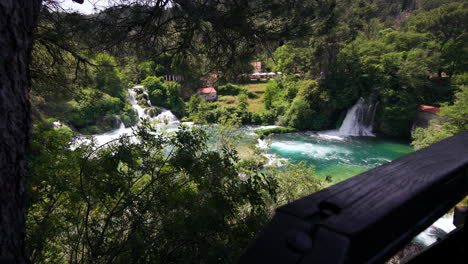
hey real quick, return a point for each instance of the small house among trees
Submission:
(208, 94)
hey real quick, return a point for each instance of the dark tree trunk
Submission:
(17, 21)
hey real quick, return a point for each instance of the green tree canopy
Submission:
(453, 120)
(108, 77)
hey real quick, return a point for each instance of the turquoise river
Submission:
(336, 156)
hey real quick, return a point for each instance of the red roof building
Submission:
(209, 93)
(207, 90)
(428, 108)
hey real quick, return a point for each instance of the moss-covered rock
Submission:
(153, 111)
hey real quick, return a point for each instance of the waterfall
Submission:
(166, 116)
(140, 111)
(147, 96)
(166, 120)
(113, 134)
(360, 119)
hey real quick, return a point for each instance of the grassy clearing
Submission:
(256, 87)
(227, 101)
(255, 104)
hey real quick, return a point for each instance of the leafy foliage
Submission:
(94, 107)
(301, 104)
(108, 78)
(164, 94)
(295, 181)
(155, 198)
(454, 119)
(231, 89)
(186, 197)
(277, 130)
(202, 112)
(406, 61)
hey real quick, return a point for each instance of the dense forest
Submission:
(192, 196)
(402, 54)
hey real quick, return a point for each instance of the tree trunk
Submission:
(17, 21)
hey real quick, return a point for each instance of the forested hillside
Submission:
(415, 57)
(400, 53)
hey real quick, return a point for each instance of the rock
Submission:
(112, 121)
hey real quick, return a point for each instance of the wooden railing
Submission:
(369, 217)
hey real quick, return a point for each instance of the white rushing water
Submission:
(165, 120)
(439, 229)
(273, 159)
(359, 119)
(166, 116)
(104, 138)
(251, 128)
(313, 150)
(147, 96)
(140, 111)
(330, 135)
(262, 144)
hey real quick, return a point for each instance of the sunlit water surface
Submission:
(339, 157)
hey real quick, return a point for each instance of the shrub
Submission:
(129, 117)
(91, 107)
(231, 89)
(277, 130)
(142, 96)
(139, 90)
(153, 111)
(89, 130)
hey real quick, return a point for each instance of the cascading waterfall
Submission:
(360, 118)
(165, 119)
(113, 134)
(166, 116)
(133, 101)
(147, 96)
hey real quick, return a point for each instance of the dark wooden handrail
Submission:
(369, 217)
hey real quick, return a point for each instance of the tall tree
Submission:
(17, 21)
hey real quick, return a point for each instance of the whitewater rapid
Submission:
(437, 230)
(165, 120)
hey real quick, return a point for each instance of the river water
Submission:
(341, 153)
(339, 157)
